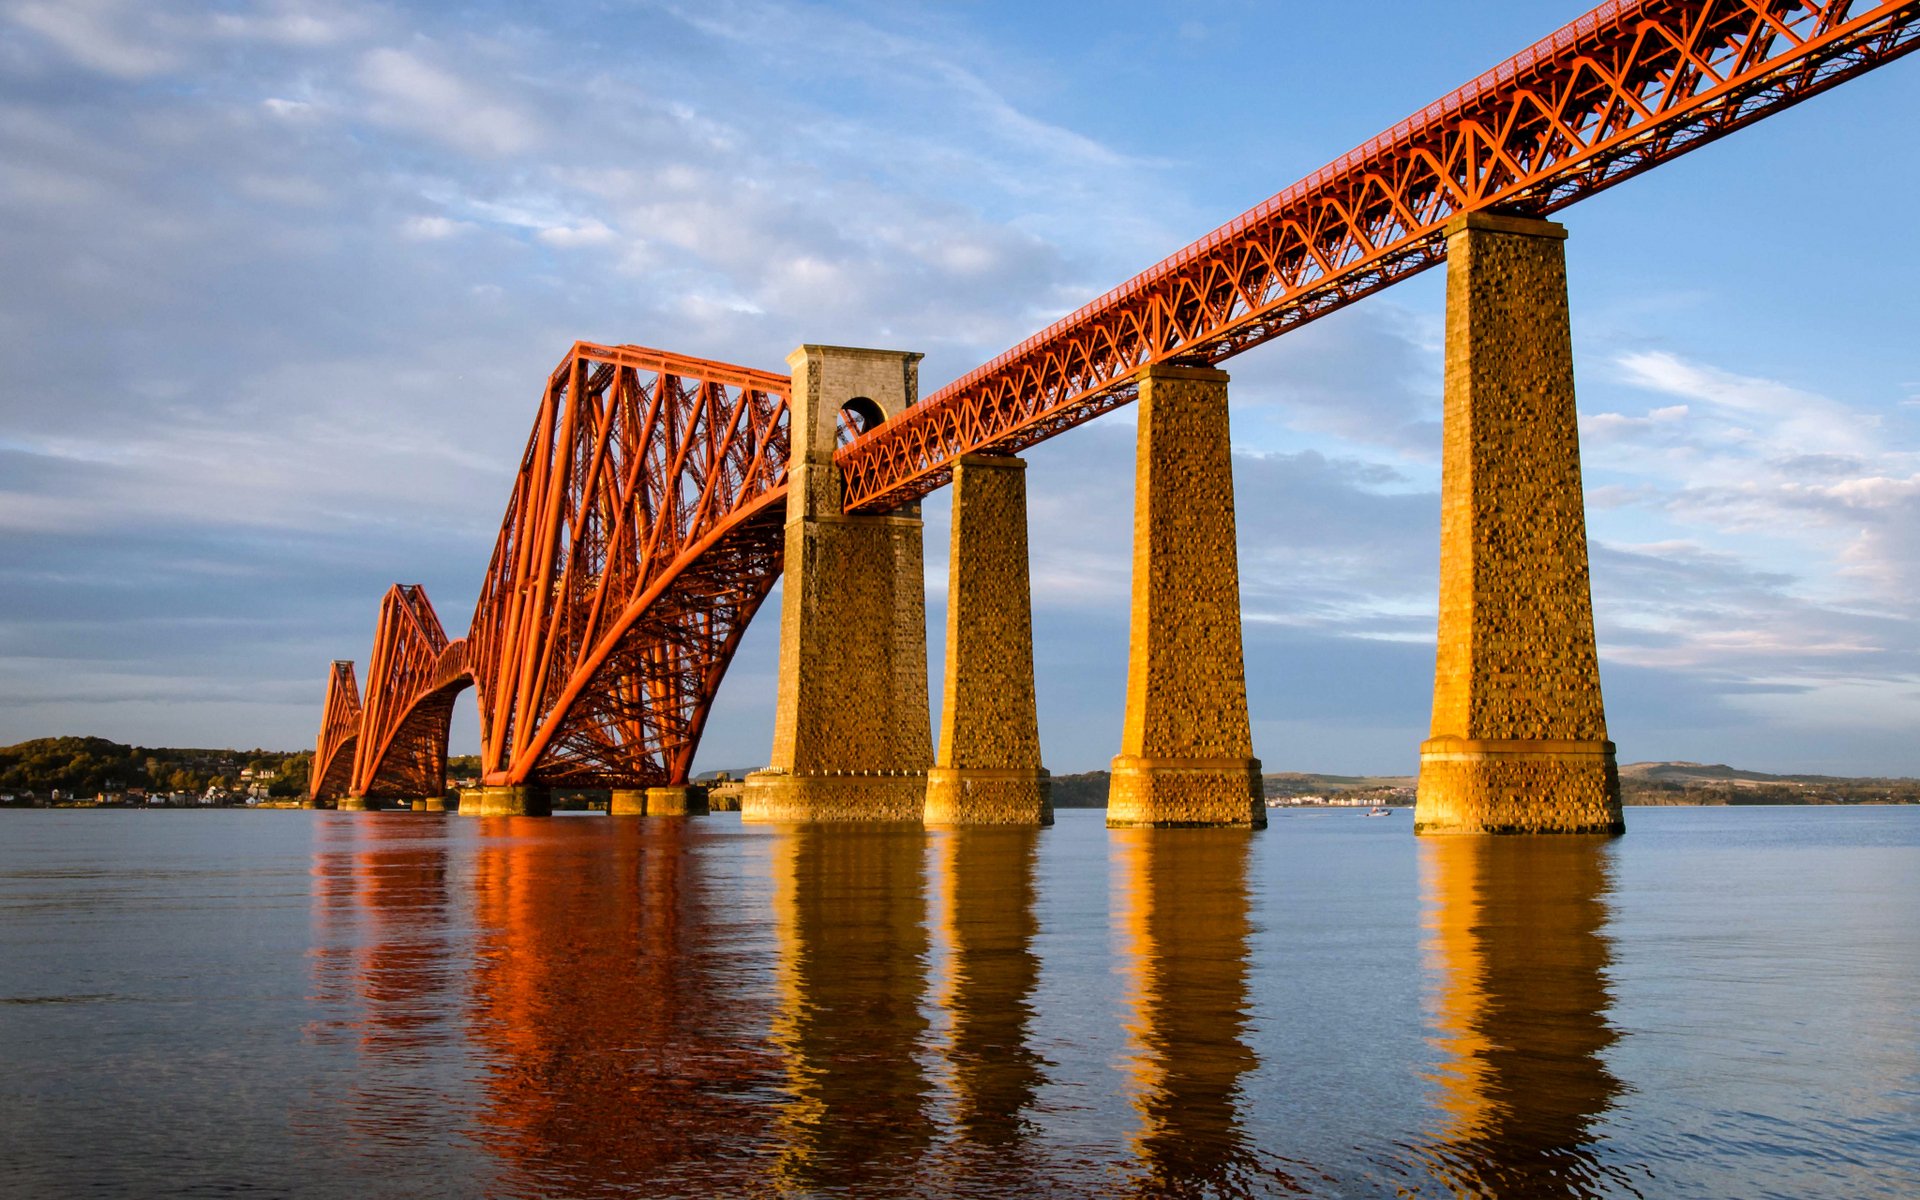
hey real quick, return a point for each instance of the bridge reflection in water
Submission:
(1181, 904)
(593, 1007)
(1518, 957)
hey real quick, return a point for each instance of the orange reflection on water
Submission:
(1519, 1012)
(849, 915)
(985, 890)
(619, 1049)
(381, 961)
(1182, 913)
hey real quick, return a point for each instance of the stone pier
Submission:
(524, 800)
(989, 772)
(1186, 754)
(852, 733)
(627, 802)
(356, 804)
(1519, 737)
(679, 800)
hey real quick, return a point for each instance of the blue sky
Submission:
(282, 281)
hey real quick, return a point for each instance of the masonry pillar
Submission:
(1186, 755)
(989, 772)
(355, 804)
(852, 734)
(1519, 738)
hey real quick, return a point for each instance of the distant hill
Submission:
(86, 766)
(1718, 783)
(1693, 772)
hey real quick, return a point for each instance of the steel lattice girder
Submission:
(332, 770)
(402, 751)
(1624, 88)
(642, 534)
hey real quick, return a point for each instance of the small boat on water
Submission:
(1377, 811)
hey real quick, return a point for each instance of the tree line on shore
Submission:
(84, 767)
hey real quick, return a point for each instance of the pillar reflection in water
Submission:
(383, 961)
(850, 922)
(1518, 1011)
(984, 880)
(618, 1054)
(1182, 906)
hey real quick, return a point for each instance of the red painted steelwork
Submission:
(402, 752)
(1624, 88)
(332, 770)
(643, 532)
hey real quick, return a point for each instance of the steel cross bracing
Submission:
(643, 532)
(332, 770)
(645, 524)
(1619, 91)
(403, 725)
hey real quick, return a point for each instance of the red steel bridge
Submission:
(644, 526)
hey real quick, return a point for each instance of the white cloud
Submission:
(587, 233)
(432, 228)
(114, 37)
(1762, 412)
(410, 93)
(1804, 479)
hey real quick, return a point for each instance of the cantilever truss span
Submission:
(332, 772)
(644, 527)
(412, 682)
(642, 535)
(1619, 91)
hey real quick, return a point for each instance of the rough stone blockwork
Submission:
(989, 772)
(852, 735)
(525, 800)
(1519, 737)
(1186, 754)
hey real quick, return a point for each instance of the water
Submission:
(1726, 1002)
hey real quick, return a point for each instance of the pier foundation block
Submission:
(988, 771)
(523, 800)
(680, 800)
(1519, 736)
(1186, 755)
(627, 802)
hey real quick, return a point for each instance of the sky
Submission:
(281, 282)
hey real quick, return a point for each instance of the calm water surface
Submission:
(1723, 1003)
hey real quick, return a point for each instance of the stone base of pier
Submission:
(1518, 786)
(523, 800)
(1176, 792)
(985, 796)
(679, 800)
(356, 804)
(627, 802)
(854, 796)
